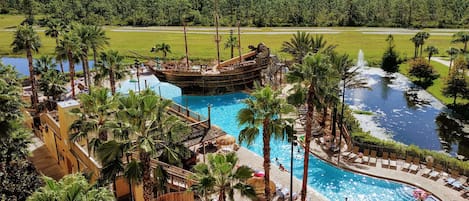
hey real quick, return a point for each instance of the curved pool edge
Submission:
(346, 168)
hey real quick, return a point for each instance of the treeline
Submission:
(391, 13)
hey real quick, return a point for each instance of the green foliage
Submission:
(366, 139)
(456, 84)
(221, 177)
(435, 13)
(18, 177)
(390, 60)
(71, 187)
(422, 70)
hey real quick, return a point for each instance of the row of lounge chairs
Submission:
(411, 165)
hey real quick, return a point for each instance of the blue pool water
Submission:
(333, 183)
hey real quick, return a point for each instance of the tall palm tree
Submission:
(84, 32)
(54, 29)
(71, 188)
(163, 47)
(231, 42)
(141, 121)
(452, 53)
(461, 37)
(221, 176)
(416, 40)
(431, 51)
(421, 37)
(70, 46)
(350, 79)
(111, 65)
(264, 110)
(98, 40)
(96, 114)
(27, 40)
(52, 84)
(298, 46)
(310, 75)
(43, 64)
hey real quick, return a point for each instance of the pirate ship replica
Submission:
(232, 75)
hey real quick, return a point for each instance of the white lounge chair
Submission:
(407, 163)
(385, 160)
(428, 169)
(393, 161)
(415, 165)
(436, 172)
(373, 158)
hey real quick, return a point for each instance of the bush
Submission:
(422, 70)
(390, 60)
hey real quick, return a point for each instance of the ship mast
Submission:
(239, 42)
(217, 40)
(185, 44)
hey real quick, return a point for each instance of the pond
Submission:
(21, 65)
(406, 113)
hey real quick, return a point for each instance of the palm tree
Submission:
(221, 176)
(318, 44)
(461, 37)
(70, 188)
(84, 32)
(43, 64)
(54, 29)
(97, 113)
(142, 121)
(310, 75)
(231, 43)
(349, 76)
(264, 110)
(26, 39)
(421, 37)
(300, 44)
(416, 41)
(452, 53)
(110, 64)
(163, 47)
(431, 51)
(70, 46)
(52, 83)
(98, 40)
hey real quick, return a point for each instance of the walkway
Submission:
(43, 160)
(255, 161)
(444, 62)
(437, 187)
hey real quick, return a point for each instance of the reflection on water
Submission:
(409, 114)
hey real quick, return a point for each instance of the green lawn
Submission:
(438, 84)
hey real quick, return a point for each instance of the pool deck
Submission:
(437, 188)
(247, 157)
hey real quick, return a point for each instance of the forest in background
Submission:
(260, 13)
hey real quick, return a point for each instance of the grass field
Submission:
(202, 45)
(438, 84)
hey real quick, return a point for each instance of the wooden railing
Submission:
(177, 196)
(190, 115)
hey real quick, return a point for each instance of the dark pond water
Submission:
(417, 119)
(21, 65)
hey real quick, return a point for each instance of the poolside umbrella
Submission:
(258, 184)
(420, 194)
(226, 140)
(429, 159)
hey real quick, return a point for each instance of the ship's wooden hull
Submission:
(197, 83)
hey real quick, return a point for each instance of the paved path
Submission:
(43, 160)
(444, 62)
(255, 161)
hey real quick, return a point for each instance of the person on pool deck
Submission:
(282, 168)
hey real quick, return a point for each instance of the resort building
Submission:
(74, 157)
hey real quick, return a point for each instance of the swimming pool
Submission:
(332, 182)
